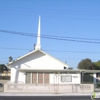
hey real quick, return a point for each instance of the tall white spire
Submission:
(38, 45)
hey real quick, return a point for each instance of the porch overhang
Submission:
(50, 71)
(59, 71)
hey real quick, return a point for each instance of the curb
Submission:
(31, 94)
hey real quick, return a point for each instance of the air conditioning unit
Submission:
(70, 68)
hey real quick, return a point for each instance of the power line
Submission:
(31, 34)
(75, 58)
(57, 58)
(6, 57)
(51, 50)
(4, 61)
(73, 39)
(60, 17)
(52, 10)
(13, 48)
(71, 51)
(26, 14)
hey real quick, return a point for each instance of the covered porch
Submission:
(85, 76)
(55, 81)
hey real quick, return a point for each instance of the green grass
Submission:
(94, 94)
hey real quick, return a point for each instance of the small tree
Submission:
(85, 64)
(96, 65)
(3, 68)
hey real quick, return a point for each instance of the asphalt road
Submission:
(45, 98)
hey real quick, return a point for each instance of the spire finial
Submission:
(38, 45)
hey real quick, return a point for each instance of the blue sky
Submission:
(69, 18)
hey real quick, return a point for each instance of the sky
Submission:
(66, 18)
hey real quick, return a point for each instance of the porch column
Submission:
(31, 78)
(25, 77)
(37, 78)
(94, 78)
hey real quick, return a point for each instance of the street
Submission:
(45, 98)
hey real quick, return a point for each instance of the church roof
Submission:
(34, 52)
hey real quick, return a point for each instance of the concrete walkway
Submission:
(44, 94)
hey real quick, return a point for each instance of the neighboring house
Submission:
(6, 73)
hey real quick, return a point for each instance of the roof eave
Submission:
(57, 71)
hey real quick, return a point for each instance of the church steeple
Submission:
(38, 45)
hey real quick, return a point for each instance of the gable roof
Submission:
(34, 52)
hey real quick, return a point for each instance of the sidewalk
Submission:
(44, 94)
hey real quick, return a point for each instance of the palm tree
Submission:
(10, 59)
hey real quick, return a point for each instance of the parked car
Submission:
(1, 85)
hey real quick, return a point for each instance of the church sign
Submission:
(66, 78)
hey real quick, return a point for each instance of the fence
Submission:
(1, 87)
(51, 88)
(4, 77)
(2, 81)
(97, 87)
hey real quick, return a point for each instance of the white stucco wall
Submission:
(17, 76)
(34, 61)
(56, 79)
(22, 77)
(40, 61)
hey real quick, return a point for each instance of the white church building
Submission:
(35, 67)
(37, 71)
